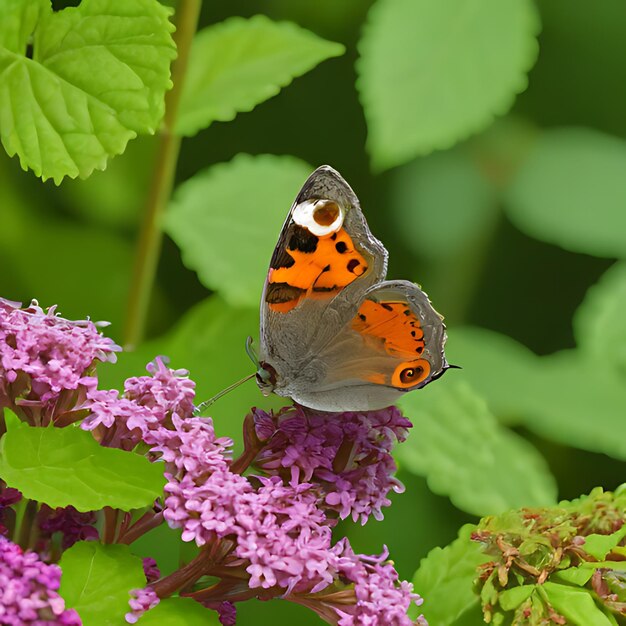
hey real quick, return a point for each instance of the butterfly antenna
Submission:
(207, 403)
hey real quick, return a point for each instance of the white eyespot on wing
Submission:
(319, 217)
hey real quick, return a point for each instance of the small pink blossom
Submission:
(142, 600)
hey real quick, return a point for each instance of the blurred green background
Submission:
(506, 230)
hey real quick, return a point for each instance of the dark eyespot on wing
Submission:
(282, 292)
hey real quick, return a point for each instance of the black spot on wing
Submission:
(353, 264)
(301, 239)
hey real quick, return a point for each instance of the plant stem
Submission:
(150, 235)
(20, 512)
(185, 575)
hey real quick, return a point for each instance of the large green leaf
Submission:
(600, 322)
(432, 73)
(445, 579)
(571, 192)
(573, 400)
(66, 466)
(238, 63)
(443, 204)
(464, 453)
(97, 579)
(179, 612)
(496, 365)
(566, 396)
(227, 218)
(96, 79)
(575, 604)
(210, 342)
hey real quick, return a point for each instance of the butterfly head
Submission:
(266, 378)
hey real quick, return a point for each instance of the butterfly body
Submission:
(335, 336)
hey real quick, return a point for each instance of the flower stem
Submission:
(185, 575)
(150, 235)
(110, 524)
(20, 512)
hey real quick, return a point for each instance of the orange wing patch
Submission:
(394, 324)
(394, 327)
(311, 266)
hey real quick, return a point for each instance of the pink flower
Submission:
(43, 357)
(208, 509)
(348, 454)
(191, 446)
(285, 537)
(151, 569)
(166, 392)
(28, 590)
(148, 402)
(142, 600)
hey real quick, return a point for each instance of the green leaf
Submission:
(179, 612)
(445, 579)
(227, 218)
(11, 421)
(573, 401)
(511, 368)
(97, 579)
(571, 192)
(442, 204)
(541, 392)
(600, 323)
(465, 454)
(575, 604)
(209, 341)
(432, 73)
(573, 575)
(57, 114)
(238, 63)
(510, 599)
(66, 466)
(600, 545)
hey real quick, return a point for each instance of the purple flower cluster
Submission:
(350, 455)
(380, 597)
(28, 590)
(70, 524)
(147, 403)
(264, 535)
(46, 360)
(277, 526)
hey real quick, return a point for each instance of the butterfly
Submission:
(334, 334)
